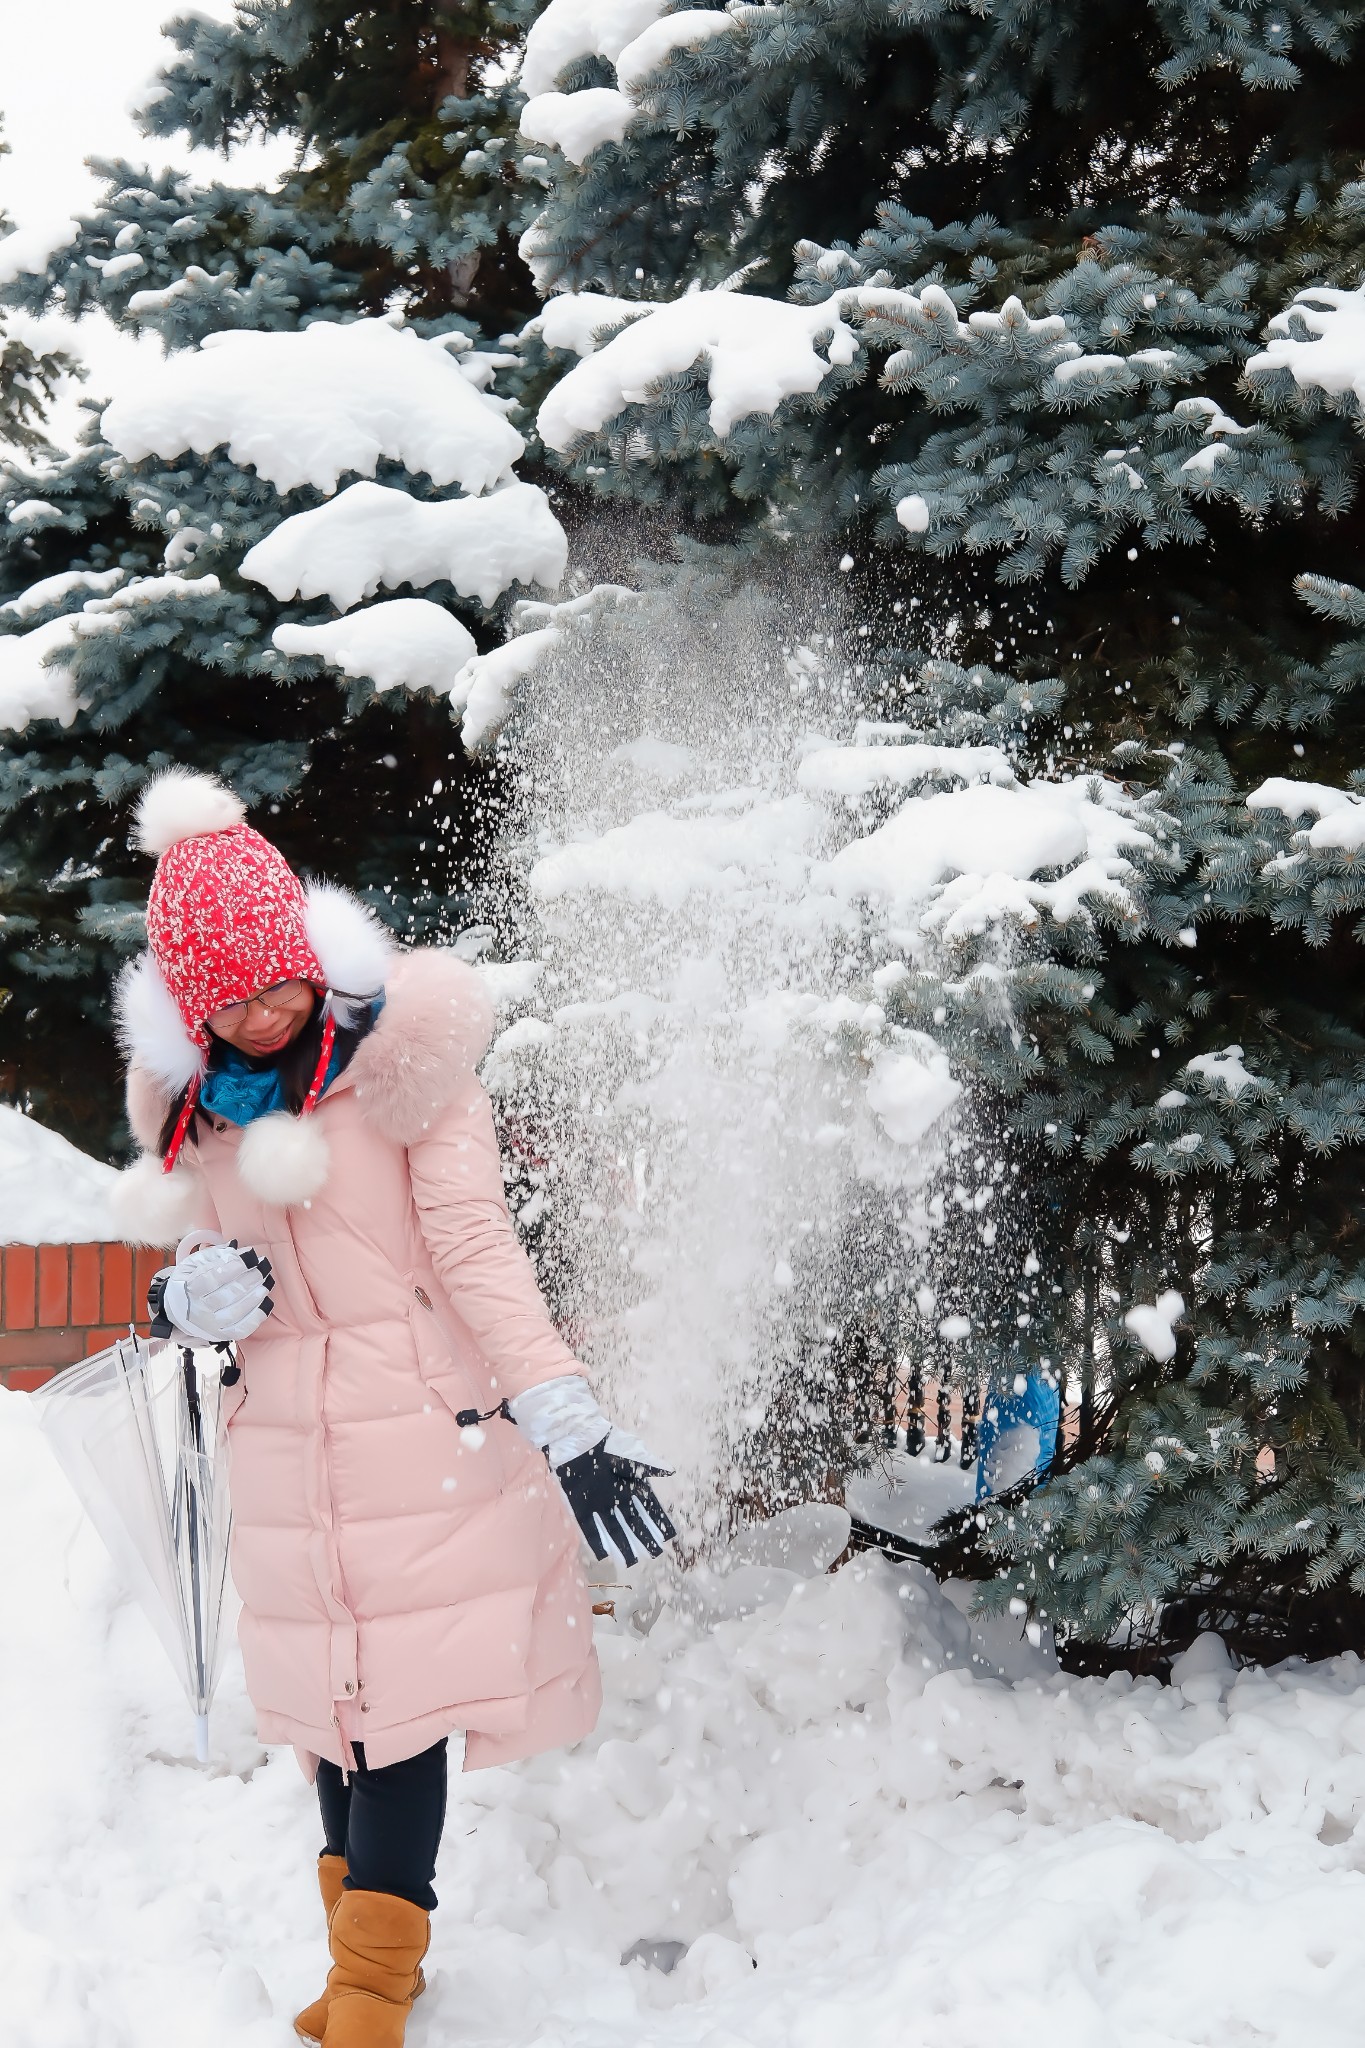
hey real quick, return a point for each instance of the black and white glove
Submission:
(605, 1472)
(216, 1294)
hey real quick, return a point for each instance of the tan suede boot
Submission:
(378, 1943)
(331, 1872)
(312, 2021)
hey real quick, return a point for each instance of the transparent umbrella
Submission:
(138, 1430)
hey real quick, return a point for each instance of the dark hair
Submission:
(297, 1065)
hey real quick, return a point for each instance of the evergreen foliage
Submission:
(28, 378)
(397, 204)
(1090, 408)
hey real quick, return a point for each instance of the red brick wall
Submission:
(60, 1302)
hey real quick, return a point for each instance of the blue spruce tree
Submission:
(1047, 329)
(132, 633)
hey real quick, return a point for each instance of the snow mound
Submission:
(307, 406)
(50, 1191)
(855, 1831)
(906, 1495)
(407, 643)
(372, 534)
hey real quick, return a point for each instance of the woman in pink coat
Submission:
(405, 1424)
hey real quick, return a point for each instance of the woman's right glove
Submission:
(216, 1295)
(604, 1472)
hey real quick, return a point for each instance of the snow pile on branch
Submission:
(759, 350)
(1225, 1068)
(968, 856)
(1340, 813)
(685, 30)
(858, 770)
(52, 589)
(34, 683)
(569, 29)
(407, 643)
(371, 535)
(577, 123)
(484, 689)
(1320, 340)
(630, 34)
(581, 320)
(27, 252)
(1153, 1324)
(50, 1192)
(833, 1805)
(307, 406)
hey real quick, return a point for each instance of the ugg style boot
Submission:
(312, 2021)
(378, 1942)
(331, 1872)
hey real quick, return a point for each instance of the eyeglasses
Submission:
(281, 995)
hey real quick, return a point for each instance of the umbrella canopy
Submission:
(138, 1431)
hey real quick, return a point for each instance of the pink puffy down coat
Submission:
(401, 1576)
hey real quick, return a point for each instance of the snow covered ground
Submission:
(860, 1840)
(50, 1191)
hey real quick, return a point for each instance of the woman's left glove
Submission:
(605, 1472)
(216, 1295)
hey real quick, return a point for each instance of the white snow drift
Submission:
(857, 1833)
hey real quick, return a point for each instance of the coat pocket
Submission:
(480, 1431)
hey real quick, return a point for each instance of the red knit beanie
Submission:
(225, 917)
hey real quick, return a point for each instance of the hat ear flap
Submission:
(151, 1030)
(354, 950)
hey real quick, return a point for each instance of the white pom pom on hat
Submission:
(180, 803)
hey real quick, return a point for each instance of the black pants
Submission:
(387, 1823)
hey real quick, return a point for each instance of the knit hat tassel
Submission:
(182, 1124)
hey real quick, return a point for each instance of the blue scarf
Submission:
(240, 1089)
